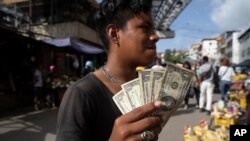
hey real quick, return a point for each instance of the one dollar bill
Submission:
(133, 92)
(122, 102)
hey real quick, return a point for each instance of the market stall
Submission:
(227, 112)
(202, 132)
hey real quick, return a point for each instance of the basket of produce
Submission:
(225, 114)
(201, 132)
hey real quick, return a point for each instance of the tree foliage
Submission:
(173, 56)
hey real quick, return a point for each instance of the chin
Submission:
(148, 61)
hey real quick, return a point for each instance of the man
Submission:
(38, 86)
(87, 112)
(206, 72)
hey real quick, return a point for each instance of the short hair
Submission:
(205, 59)
(117, 12)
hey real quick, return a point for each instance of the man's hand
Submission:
(131, 125)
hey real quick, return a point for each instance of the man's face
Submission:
(137, 40)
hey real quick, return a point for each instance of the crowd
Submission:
(208, 77)
(233, 106)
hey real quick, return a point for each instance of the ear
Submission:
(112, 33)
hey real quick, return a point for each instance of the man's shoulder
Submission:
(205, 66)
(88, 87)
(88, 81)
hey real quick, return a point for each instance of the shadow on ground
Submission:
(31, 126)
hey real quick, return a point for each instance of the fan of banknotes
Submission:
(169, 85)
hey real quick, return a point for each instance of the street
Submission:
(41, 125)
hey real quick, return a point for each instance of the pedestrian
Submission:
(157, 64)
(225, 74)
(38, 87)
(196, 85)
(187, 65)
(206, 72)
(87, 111)
(88, 67)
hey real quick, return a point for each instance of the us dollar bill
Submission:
(144, 77)
(176, 82)
(156, 79)
(133, 92)
(122, 102)
(175, 85)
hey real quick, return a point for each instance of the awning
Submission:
(13, 1)
(76, 44)
(244, 63)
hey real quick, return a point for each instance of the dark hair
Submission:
(205, 59)
(226, 62)
(117, 12)
(188, 65)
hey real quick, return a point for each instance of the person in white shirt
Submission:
(206, 76)
(225, 73)
(157, 64)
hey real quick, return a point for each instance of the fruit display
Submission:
(189, 134)
(225, 114)
(201, 132)
(237, 91)
(239, 77)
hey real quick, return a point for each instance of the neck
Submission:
(123, 73)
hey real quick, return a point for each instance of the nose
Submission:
(154, 37)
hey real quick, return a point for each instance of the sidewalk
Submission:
(174, 129)
(41, 125)
(29, 126)
(16, 112)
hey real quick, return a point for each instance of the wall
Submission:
(67, 29)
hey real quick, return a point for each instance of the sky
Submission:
(206, 19)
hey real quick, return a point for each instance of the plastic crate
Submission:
(243, 103)
(223, 121)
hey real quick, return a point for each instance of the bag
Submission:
(207, 75)
(223, 74)
(191, 92)
(203, 76)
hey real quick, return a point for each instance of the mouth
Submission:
(151, 47)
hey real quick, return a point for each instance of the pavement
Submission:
(29, 125)
(174, 129)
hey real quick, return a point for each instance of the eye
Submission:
(144, 26)
(147, 28)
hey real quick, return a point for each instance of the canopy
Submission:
(76, 44)
(245, 63)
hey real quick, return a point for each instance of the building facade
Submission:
(210, 48)
(195, 52)
(244, 41)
